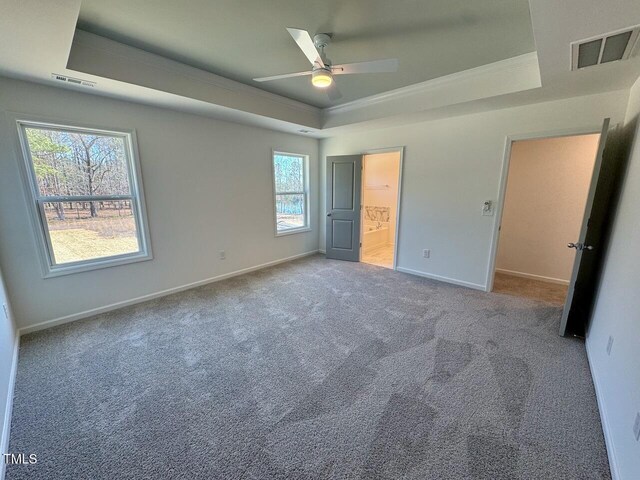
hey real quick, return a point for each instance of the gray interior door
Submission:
(344, 176)
(591, 244)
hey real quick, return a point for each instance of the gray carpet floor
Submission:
(315, 369)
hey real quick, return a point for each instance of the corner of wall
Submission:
(8, 400)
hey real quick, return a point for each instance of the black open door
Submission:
(591, 244)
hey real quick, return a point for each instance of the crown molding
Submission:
(506, 65)
(498, 78)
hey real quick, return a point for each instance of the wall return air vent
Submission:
(606, 48)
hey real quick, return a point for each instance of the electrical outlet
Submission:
(222, 254)
(609, 345)
(426, 253)
(636, 427)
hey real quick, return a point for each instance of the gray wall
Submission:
(208, 188)
(7, 351)
(617, 313)
(451, 167)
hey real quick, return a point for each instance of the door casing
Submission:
(504, 174)
(400, 151)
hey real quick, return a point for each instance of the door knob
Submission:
(328, 214)
(580, 246)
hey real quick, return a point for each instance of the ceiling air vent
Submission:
(74, 81)
(604, 48)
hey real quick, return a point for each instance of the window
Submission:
(290, 181)
(86, 197)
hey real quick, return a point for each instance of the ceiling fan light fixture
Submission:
(321, 78)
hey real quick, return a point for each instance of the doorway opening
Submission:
(379, 212)
(547, 188)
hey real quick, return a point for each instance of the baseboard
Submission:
(6, 427)
(613, 465)
(513, 273)
(462, 283)
(163, 293)
(324, 252)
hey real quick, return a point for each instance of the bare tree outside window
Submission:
(290, 192)
(84, 193)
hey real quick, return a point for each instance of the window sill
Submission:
(292, 231)
(91, 265)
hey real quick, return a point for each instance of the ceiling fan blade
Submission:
(375, 66)
(278, 77)
(305, 42)
(333, 92)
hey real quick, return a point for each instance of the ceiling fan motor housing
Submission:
(321, 40)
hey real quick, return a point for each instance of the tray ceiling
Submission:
(241, 40)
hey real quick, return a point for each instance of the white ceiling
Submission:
(245, 39)
(37, 39)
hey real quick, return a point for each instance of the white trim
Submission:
(606, 429)
(35, 200)
(454, 281)
(507, 65)
(396, 242)
(542, 278)
(292, 231)
(307, 194)
(502, 188)
(114, 306)
(324, 252)
(6, 427)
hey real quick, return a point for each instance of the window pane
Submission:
(289, 173)
(290, 212)
(72, 163)
(90, 230)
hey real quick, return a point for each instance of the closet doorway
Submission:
(547, 187)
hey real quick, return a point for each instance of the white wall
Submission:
(383, 169)
(547, 188)
(8, 350)
(451, 167)
(208, 188)
(617, 313)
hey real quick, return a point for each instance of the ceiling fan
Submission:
(322, 71)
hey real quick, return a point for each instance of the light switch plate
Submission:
(488, 208)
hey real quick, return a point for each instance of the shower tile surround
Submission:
(377, 214)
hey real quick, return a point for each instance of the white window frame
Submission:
(305, 172)
(36, 201)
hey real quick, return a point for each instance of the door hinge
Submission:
(361, 244)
